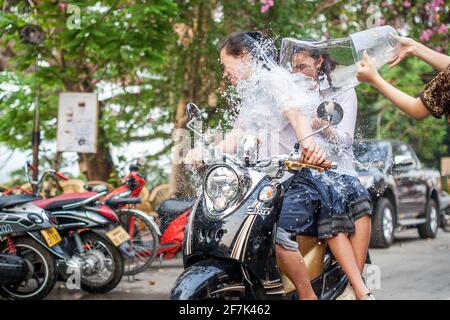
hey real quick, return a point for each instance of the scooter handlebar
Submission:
(328, 165)
(61, 176)
(296, 165)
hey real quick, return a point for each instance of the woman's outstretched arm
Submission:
(368, 73)
(410, 47)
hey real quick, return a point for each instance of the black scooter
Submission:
(92, 242)
(29, 247)
(229, 244)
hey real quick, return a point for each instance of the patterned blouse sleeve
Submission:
(436, 96)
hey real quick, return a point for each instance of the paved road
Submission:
(414, 268)
(411, 269)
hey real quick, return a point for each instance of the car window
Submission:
(404, 150)
(371, 152)
(414, 156)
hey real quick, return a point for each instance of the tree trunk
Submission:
(179, 183)
(97, 166)
(178, 180)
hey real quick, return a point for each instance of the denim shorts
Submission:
(312, 207)
(285, 239)
(356, 197)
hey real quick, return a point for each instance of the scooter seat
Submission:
(99, 188)
(14, 200)
(175, 207)
(58, 202)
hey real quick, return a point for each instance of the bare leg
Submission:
(360, 240)
(343, 252)
(294, 267)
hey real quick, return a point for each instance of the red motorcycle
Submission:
(142, 228)
(149, 240)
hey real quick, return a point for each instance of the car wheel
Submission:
(383, 225)
(445, 222)
(430, 228)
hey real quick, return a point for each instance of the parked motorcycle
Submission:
(229, 245)
(174, 216)
(29, 249)
(142, 229)
(91, 235)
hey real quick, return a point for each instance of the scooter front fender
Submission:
(198, 281)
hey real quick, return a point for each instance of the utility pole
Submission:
(36, 135)
(34, 35)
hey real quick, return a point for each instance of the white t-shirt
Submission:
(265, 97)
(341, 150)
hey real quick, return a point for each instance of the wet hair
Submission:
(255, 43)
(328, 64)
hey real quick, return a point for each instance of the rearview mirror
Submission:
(193, 112)
(248, 150)
(331, 112)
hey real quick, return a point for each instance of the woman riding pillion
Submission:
(338, 143)
(270, 107)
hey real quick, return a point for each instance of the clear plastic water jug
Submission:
(332, 63)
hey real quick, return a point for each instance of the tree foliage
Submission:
(160, 54)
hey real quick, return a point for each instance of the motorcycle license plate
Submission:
(51, 236)
(118, 236)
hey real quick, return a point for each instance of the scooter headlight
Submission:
(222, 187)
(267, 193)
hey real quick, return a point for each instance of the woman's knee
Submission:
(338, 238)
(363, 222)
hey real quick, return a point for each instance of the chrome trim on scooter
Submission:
(272, 285)
(236, 251)
(84, 202)
(276, 292)
(70, 225)
(239, 247)
(189, 226)
(237, 287)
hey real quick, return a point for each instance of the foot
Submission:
(368, 296)
(348, 294)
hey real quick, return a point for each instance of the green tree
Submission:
(118, 43)
(168, 50)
